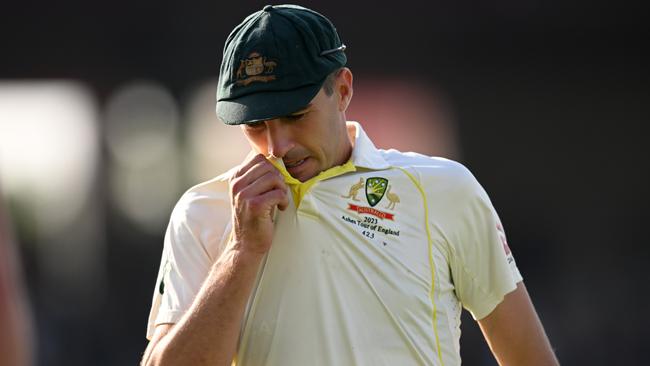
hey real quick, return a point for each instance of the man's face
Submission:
(309, 141)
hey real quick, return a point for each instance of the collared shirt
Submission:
(371, 263)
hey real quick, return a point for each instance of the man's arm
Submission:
(515, 334)
(208, 332)
(159, 332)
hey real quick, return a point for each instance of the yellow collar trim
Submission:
(299, 189)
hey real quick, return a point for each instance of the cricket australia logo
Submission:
(375, 190)
(377, 229)
(255, 68)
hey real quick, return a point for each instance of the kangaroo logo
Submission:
(354, 190)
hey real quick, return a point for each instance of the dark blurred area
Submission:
(544, 101)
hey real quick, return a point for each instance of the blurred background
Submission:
(107, 117)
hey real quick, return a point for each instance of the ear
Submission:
(344, 88)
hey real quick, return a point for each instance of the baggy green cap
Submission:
(275, 62)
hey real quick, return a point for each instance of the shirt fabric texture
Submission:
(370, 265)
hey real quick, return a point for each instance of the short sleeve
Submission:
(482, 266)
(195, 237)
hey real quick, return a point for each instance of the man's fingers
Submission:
(261, 206)
(284, 202)
(276, 197)
(254, 173)
(266, 182)
(248, 163)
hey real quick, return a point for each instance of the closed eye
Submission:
(255, 125)
(295, 117)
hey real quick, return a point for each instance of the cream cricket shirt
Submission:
(370, 264)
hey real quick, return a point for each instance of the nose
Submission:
(279, 139)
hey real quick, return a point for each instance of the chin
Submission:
(310, 170)
(305, 176)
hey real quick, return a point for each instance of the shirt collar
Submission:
(364, 155)
(364, 152)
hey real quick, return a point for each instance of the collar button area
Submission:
(308, 208)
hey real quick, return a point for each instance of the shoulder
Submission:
(205, 203)
(433, 172)
(200, 219)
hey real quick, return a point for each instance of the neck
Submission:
(347, 139)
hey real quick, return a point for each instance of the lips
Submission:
(294, 164)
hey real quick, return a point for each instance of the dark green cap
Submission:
(275, 62)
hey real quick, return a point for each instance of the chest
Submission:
(362, 230)
(349, 268)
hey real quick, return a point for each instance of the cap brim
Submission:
(263, 106)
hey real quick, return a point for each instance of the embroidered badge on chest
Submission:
(376, 188)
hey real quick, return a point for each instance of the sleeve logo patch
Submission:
(502, 236)
(166, 269)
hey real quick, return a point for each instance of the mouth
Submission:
(294, 164)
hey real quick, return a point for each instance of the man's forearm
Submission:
(208, 333)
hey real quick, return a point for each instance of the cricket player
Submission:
(319, 248)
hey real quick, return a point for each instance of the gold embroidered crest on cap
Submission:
(255, 68)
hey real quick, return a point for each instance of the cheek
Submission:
(324, 145)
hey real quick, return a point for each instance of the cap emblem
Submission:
(255, 68)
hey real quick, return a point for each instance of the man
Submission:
(370, 254)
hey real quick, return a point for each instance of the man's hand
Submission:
(255, 190)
